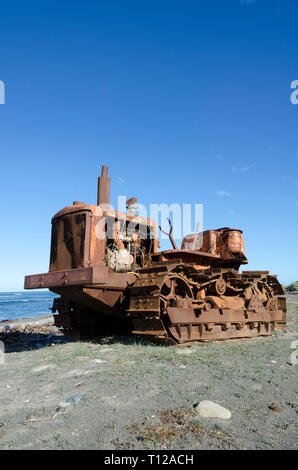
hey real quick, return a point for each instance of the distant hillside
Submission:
(292, 287)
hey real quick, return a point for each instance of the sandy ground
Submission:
(123, 393)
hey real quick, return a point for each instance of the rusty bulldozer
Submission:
(111, 278)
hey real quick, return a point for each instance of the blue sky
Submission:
(187, 102)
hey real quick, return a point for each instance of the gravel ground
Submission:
(124, 393)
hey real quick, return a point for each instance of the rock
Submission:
(75, 399)
(61, 408)
(74, 373)
(7, 328)
(79, 384)
(45, 367)
(63, 404)
(97, 361)
(209, 409)
(182, 352)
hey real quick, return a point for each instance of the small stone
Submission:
(184, 351)
(273, 362)
(75, 399)
(97, 361)
(182, 367)
(62, 405)
(45, 367)
(74, 373)
(209, 409)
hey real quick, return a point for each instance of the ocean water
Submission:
(14, 305)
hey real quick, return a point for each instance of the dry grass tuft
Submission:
(176, 424)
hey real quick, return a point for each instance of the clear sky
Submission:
(186, 101)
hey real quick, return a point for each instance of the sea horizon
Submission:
(25, 304)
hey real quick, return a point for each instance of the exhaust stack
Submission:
(103, 191)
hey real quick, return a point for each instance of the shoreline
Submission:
(37, 318)
(46, 319)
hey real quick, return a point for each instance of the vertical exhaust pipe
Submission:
(103, 191)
